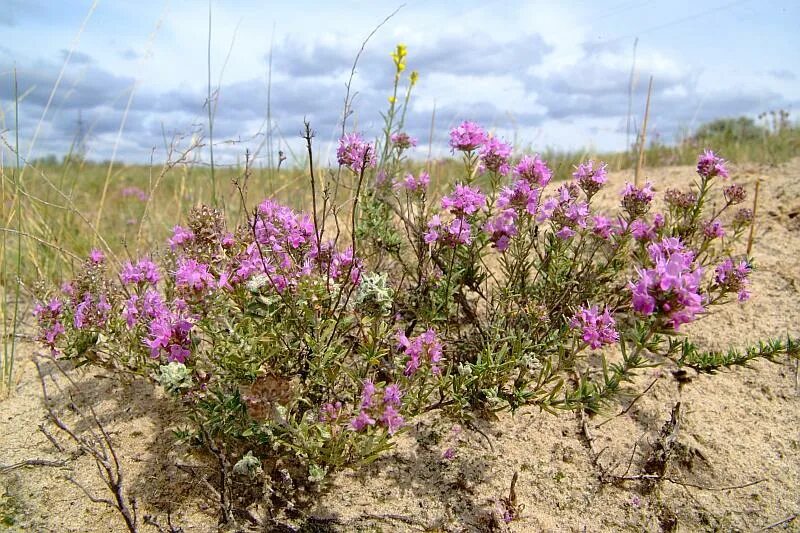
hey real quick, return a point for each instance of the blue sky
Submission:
(546, 74)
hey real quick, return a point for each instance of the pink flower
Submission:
(467, 137)
(671, 286)
(355, 153)
(403, 141)
(96, 256)
(367, 392)
(193, 276)
(520, 196)
(710, 165)
(426, 345)
(636, 201)
(464, 200)
(730, 277)
(495, 156)
(392, 419)
(602, 226)
(713, 230)
(590, 179)
(501, 228)
(180, 236)
(596, 329)
(533, 170)
(362, 421)
(414, 184)
(145, 271)
(392, 395)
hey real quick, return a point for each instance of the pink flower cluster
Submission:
(418, 349)
(463, 202)
(403, 141)
(671, 287)
(48, 317)
(193, 277)
(534, 170)
(710, 165)
(520, 199)
(730, 277)
(92, 311)
(495, 156)
(596, 328)
(180, 237)
(414, 184)
(467, 137)
(355, 153)
(145, 271)
(169, 331)
(635, 200)
(566, 211)
(388, 408)
(589, 178)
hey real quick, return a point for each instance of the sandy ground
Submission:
(736, 428)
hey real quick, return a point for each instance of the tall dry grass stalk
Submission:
(643, 137)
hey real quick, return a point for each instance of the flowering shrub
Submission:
(304, 353)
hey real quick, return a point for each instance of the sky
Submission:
(131, 77)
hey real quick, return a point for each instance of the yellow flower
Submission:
(399, 57)
(414, 77)
(392, 99)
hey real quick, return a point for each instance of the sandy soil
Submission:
(736, 428)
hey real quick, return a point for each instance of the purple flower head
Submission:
(602, 227)
(710, 165)
(589, 178)
(361, 421)
(501, 228)
(367, 392)
(495, 156)
(392, 395)
(743, 217)
(521, 196)
(193, 276)
(467, 137)
(565, 233)
(168, 332)
(355, 153)
(403, 141)
(457, 231)
(734, 194)
(730, 277)
(671, 287)
(330, 412)
(48, 318)
(449, 454)
(426, 345)
(97, 256)
(533, 170)
(641, 230)
(678, 199)
(464, 200)
(392, 419)
(180, 237)
(596, 329)
(713, 230)
(228, 240)
(414, 184)
(145, 271)
(635, 200)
